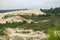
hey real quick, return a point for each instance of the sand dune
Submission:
(18, 18)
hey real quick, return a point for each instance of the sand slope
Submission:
(18, 18)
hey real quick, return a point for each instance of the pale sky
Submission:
(30, 4)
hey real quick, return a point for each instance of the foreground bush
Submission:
(52, 35)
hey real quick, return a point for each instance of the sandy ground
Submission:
(33, 34)
(24, 12)
(12, 32)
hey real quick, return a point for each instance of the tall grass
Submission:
(52, 35)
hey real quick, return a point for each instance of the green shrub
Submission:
(2, 33)
(53, 36)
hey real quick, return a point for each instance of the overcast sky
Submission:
(30, 4)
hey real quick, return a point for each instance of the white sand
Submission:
(24, 12)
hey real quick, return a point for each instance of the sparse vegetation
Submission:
(2, 32)
(25, 32)
(8, 15)
(48, 27)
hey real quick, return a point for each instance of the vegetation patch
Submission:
(7, 16)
